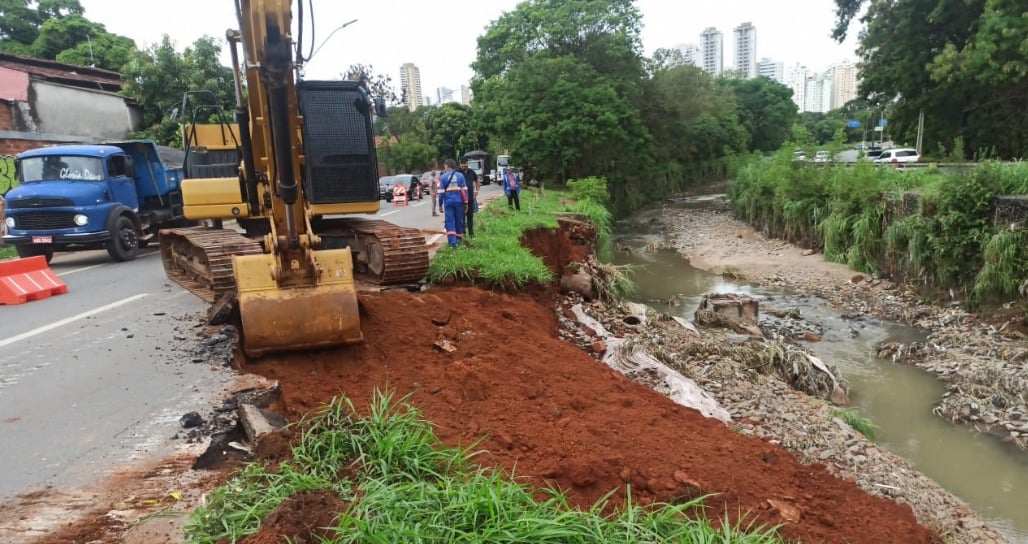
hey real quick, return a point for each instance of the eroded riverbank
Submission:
(977, 362)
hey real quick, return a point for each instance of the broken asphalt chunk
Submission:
(190, 420)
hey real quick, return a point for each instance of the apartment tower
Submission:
(410, 85)
(746, 50)
(712, 47)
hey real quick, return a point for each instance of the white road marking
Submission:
(389, 213)
(72, 319)
(433, 239)
(83, 269)
(90, 267)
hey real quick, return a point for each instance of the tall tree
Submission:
(77, 40)
(766, 110)
(961, 62)
(104, 50)
(407, 154)
(20, 20)
(379, 85)
(57, 30)
(159, 77)
(559, 81)
(451, 130)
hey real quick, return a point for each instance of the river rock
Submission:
(580, 282)
(733, 307)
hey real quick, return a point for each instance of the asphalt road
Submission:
(96, 379)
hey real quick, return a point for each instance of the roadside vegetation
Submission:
(929, 227)
(7, 252)
(495, 256)
(400, 484)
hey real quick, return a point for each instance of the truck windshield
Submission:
(60, 167)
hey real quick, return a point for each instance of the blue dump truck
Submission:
(114, 196)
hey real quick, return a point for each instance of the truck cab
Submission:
(81, 197)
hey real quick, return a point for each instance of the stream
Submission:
(988, 475)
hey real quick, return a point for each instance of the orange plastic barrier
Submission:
(22, 280)
(400, 195)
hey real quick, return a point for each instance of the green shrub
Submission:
(591, 188)
(857, 214)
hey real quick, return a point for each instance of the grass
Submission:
(860, 424)
(403, 485)
(495, 257)
(732, 273)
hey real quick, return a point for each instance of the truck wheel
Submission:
(33, 251)
(124, 242)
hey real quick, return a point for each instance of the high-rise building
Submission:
(465, 95)
(690, 53)
(746, 50)
(844, 84)
(444, 95)
(818, 93)
(771, 69)
(712, 46)
(796, 79)
(410, 84)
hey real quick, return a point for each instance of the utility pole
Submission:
(920, 130)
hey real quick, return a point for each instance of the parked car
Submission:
(415, 190)
(823, 156)
(873, 151)
(899, 155)
(426, 180)
(385, 188)
(799, 155)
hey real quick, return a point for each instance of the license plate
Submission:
(42, 239)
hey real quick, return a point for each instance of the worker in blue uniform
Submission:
(453, 202)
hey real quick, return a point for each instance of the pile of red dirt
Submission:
(553, 416)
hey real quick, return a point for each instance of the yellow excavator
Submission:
(298, 160)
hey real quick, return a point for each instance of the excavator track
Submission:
(200, 258)
(387, 254)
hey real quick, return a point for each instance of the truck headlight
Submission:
(81, 220)
(9, 222)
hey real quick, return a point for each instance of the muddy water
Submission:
(991, 477)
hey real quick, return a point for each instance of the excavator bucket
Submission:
(276, 318)
(22, 280)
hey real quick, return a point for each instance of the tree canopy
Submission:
(379, 85)
(158, 77)
(58, 30)
(963, 62)
(766, 110)
(584, 57)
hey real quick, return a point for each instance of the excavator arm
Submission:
(304, 156)
(292, 296)
(298, 159)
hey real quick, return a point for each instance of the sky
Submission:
(439, 36)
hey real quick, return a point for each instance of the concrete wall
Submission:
(1009, 210)
(58, 109)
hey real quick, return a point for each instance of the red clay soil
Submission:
(554, 416)
(302, 519)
